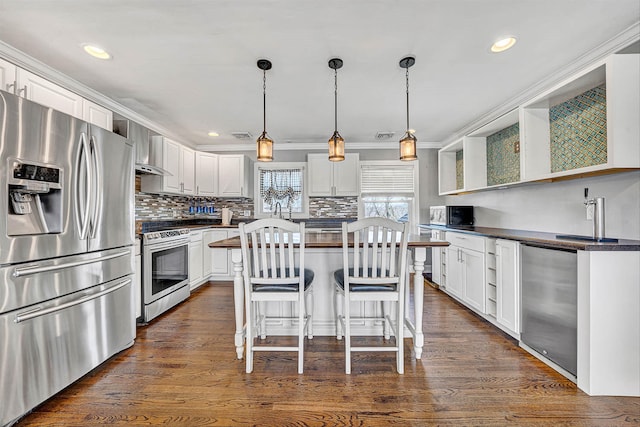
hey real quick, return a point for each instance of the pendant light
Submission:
(336, 142)
(265, 144)
(408, 141)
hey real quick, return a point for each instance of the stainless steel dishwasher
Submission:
(549, 304)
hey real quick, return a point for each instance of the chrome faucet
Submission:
(278, 210)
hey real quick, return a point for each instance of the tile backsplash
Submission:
(578, 129)
(503, 156)
(151, 207)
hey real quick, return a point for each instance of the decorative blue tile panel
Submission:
(579, 131)
(503, 156)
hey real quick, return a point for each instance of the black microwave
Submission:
(451, 215)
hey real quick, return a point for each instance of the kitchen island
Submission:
(323, 256)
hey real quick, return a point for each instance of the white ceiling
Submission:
(189, 66)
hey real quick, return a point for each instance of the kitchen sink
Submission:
(585, 238)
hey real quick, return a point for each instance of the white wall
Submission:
(557, 207)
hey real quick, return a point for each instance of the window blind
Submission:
(386, 179)
(281, 185)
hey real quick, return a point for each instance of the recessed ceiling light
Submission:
(213, 133)
(96, 51)
(503, 44)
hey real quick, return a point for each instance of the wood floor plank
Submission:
(182, 371)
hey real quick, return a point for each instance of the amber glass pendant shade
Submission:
(408, 147)
(336, 148)
(265, 148)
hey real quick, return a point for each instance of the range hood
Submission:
(140, 136)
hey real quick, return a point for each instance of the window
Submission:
(280, 188)
(396, 208)
(389, 189)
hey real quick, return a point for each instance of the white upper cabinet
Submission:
(7, 76)
(206, 174)
(235, 176)
(177, 160)
(327, 178)
(37, 89)
(97, 115)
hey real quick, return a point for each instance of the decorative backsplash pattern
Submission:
(164, 207)
(579, 131)
(503, 160)
(333, 207)
(459, 170)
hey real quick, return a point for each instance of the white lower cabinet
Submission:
(484, 274)
(195, 260)
(206, 263)
(214, 260)
(508, 284)
(466, 269)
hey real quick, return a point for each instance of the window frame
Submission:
(257, 199)
(414, 204)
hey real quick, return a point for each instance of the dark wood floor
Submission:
(182, 371)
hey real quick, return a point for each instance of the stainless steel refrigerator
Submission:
(66, 251)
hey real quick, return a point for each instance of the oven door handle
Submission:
(28, 315)
(35, 269)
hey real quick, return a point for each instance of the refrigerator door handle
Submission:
(82, 204)
(36, 269)
(97, 174)
(23, 317)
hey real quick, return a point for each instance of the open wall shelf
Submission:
(587, 125)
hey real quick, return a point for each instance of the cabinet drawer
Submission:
(196, 236)
(466, 241)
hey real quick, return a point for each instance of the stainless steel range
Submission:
(165, 270)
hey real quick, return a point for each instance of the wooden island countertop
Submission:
(332, 239)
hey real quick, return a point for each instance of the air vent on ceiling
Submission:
(241, 135)
(384, 135)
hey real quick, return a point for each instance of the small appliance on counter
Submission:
(226, 216)
(451, 215)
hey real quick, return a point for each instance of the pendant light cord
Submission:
(264, 101)
(407, 77)
(335, 99)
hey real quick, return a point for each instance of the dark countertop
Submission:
(541, 238)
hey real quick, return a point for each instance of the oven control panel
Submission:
(165, 235)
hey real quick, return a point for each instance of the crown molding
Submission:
(599, 53)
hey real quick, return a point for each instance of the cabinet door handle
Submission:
(197, 189)
(24, 89)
